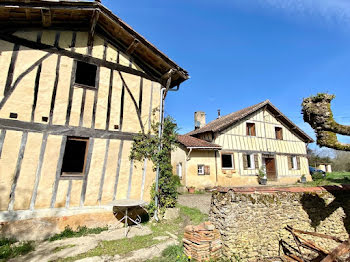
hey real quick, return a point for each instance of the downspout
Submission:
(163, 92)
(160, 132)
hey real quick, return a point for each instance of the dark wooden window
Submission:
(227, 161)
(85, 74)
(251, 129)
(74, 157)
(279, 133)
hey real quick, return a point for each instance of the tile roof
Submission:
(190, 141)
(228, 120)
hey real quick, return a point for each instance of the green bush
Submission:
(317, 176)
(146, 146)
(9, 250)
(81, 231)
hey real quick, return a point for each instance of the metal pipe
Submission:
(160, 131)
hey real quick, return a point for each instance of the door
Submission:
(270, 169)
(179, 170)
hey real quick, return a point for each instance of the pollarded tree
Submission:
(318, 113)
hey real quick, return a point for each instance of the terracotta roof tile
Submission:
(190, 141)
(228, 120)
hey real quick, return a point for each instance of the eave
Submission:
(75, 15)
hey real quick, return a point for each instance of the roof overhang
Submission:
(92, 16)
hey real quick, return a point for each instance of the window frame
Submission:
(294, 163)
(178, 169)
(251, 161)
(76, 175)
(202, 173)
(232, 161)
(278, 129)
(94, 87)
(249, 128)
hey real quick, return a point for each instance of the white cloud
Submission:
(331, 11)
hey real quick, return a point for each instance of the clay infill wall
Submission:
(252, 221)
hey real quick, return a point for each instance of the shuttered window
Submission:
(250, 161)
(203, 170)
(251, 129)
(227, 161)
(279, 133)
(294, 162)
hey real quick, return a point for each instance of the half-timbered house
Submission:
(230, 150)
(76, 84)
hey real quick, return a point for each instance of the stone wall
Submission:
(252, 220)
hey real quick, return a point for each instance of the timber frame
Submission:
(76, 15)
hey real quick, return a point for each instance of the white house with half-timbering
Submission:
(76, 84)
(230, 150)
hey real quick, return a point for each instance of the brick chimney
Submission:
(199, 119)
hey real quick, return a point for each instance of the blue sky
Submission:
(241, 52)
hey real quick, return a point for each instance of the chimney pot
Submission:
(199, 119)
(219, 113)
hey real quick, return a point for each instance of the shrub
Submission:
(81, 231)
(9, 250)
(317, 176)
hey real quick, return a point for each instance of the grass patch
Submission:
(58, 249)
(81, 231)
(172, 253)
(334, 178)
(194, 214)
(111, 248)
(126, 245)
(8, 248)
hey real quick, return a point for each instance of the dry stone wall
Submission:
(252, 221)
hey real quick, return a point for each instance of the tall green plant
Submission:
(146, 146)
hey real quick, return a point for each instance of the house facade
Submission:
(76, 84)
(230, 150)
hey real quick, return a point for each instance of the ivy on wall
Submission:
(146, 146)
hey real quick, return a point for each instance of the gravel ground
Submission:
(200, 201)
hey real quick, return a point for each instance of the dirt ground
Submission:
(200, 201)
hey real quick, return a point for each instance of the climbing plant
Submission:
(146, 146)
(318, 113)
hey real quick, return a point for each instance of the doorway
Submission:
(270, 164)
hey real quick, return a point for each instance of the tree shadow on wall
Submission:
(318, 210)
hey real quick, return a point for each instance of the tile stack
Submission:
(202, 242)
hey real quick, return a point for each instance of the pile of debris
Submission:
(340, 253)
(202, 242)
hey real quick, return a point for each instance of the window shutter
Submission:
(256, 161)
(247, 129)
(198, 169)
(253, 130)
(281, 134)
(207, 170)
(177, 169)
(245, 162)
(298, 163)
(290, 162)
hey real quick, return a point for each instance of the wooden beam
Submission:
(132, 46)
(340, 250)
(81, 57)
(93, 23)
(46, 17)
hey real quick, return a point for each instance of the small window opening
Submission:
(44, 118)
(227, 161)
(85, 74)
(294, 162)
(250, 129)
(74, 156)
(250, 161)
(278, 132)
(13, 115)
(200, 169)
